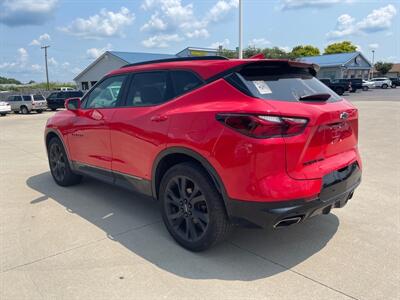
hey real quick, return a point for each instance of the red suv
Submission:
(219, 142)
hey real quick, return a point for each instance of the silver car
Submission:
(27, 103)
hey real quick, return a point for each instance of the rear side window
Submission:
(38, 97)
(149, 88)
(27, 98)
(184, 81)
(277, 82)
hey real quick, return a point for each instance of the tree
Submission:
(227, 53)
(383, 67)
(341, 47)
(4, 80)
(275, 52)
(251, 51)
(307, 50)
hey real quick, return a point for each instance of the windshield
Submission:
(286, 84)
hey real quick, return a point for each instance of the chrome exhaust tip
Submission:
(287, 222)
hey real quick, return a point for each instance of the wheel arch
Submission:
(53, 133)
(174, 155)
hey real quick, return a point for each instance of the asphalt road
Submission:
(95, 241)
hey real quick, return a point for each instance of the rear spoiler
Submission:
(256, 60)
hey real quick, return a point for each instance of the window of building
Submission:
(92, 83)
(85, 85)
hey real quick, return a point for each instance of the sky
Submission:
(78, 31)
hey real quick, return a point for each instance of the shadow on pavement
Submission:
(134, 221)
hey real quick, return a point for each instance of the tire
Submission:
(394, 86)
(384, 86)
(39, 111)
(59, 164)
(339, 91)
(24, 110)
(53, 109)
(197, 220)
(3, 115)
(365, 88)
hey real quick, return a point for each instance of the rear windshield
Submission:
(38, 97)
(280, 83)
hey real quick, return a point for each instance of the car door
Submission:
(139, 130)
(89, 137)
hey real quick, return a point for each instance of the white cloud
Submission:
(225, 44)
(221, 9)
(66, 65)
(378, 20)
(45, 37)
(285, 48)
(298, 4)
(161, 40)
(155, 23)
(93, 53)
(261, 42)
(373, 46)
(19, 63)
(36, 68)
(26, 12)
(105, 24)
(52, 61)
(172, 17)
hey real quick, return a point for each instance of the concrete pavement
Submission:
(95, 241)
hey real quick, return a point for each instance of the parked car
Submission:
(252, 142)
(337, 86)
(56, 100)
(356, 83)
(5, 108)
(382, 82)
(66, 88)
(26, 103)
(395, 82)
(366, 85)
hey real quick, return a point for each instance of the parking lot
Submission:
(95, 241)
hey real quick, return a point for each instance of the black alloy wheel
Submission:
(192, 208)
(58, 162)
(186, 208)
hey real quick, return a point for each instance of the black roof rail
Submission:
(213, 57)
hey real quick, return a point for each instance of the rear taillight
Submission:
(263, 126)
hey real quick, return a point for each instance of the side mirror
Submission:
(73, 103)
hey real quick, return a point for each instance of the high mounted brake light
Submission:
(263, 126)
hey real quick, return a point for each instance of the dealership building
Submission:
(341, 65)
(111, 60)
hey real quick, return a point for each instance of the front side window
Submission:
(184, 82)
(106, 94)
(27, 98)
(150, 88)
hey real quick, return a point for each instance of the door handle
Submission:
(159, 118)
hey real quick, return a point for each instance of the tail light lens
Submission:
(263, 126)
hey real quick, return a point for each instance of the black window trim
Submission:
(120, 99)
(169, 78)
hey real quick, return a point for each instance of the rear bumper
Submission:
(338, 188)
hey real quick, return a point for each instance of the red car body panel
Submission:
(129, 139)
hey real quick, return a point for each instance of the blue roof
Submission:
(330, 59)
(136, 57)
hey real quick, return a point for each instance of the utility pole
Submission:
(47, 71)
(240, 29)
(373, 65)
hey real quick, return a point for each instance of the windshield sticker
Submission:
(262, 87)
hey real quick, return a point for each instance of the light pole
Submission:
(240, 29)
(373, 64)
(47, 71)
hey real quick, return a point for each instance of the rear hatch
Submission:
(39, 101)
(329, 141)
